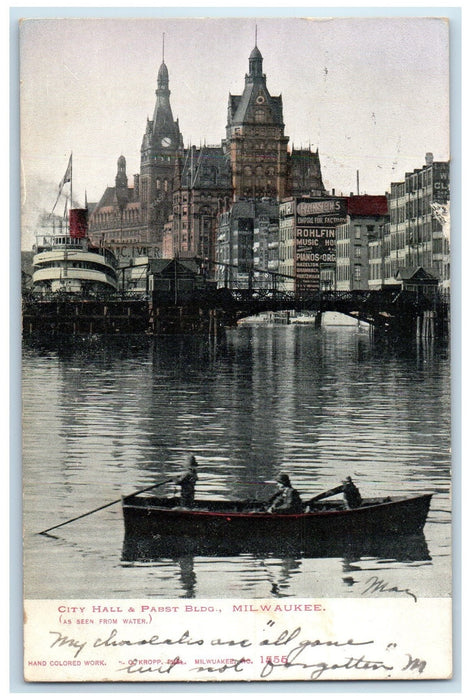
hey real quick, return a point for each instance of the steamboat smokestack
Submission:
(78, 223)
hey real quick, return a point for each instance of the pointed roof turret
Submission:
(162, 135)
(162, 77)
(162, 122)
(256, 63)
(255, 98)
(121, 184)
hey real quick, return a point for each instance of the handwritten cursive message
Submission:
(375, 638)
(297, 652)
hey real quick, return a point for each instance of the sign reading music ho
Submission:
(314, 223)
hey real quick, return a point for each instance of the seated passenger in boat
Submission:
(351, 494)
(286, 500)
(187, 482)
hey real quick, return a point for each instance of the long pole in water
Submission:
(107, 505)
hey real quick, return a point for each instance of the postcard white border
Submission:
(454, 14)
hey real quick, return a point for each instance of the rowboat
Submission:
(246, 526)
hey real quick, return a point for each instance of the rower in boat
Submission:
(187, 482)
(351, 494)
(286, 500)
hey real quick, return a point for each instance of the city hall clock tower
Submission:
(161, 144)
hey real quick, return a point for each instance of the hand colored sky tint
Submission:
(371, 94)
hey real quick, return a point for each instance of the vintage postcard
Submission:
(236, 393)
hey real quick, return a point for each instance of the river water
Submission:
(107, 416)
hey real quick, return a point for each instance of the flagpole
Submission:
(71, 167)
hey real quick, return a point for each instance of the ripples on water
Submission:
(104, 417)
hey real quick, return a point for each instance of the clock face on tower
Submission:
(166, 142)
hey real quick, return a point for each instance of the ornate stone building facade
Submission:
(304, 174)
(202, 188)
(173, 205)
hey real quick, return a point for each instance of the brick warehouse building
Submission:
(366, 217)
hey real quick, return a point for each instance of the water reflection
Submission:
(351, 560)
(187, 576)
(400, 549)
(108, 416)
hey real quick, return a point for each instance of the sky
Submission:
(372, 94)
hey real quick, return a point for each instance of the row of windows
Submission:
(78, 264)
(374, 272)
(344, 249)
(287, 270)
(129, 216)
(250, 146)
(259, 171)
(419, 180)
(345, 272)
(345, 232)
(286, 252)
(257, 131)
(66, 240)
(410, 209)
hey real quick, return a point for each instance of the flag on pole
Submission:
(67, 178)
(68, 174)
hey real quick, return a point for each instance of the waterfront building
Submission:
(307, 251)
(176, 280)
(246, 231)
(416, 235)
(377, 251)
(115, 221)
(161, 144)
(286, 244)
(202, 188)
(234, 246)
(417, 280)
(365, 215)
(265, 242)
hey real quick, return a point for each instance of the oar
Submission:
(107, 505)
(326, 494)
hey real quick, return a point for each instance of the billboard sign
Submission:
(318, 207)
(315, 249)
(441, 183)
(316, 220)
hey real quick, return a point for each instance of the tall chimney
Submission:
(428, 158)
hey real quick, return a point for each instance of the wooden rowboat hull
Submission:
(229, 526)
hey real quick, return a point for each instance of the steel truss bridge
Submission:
(392, 309)
(383, 309)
